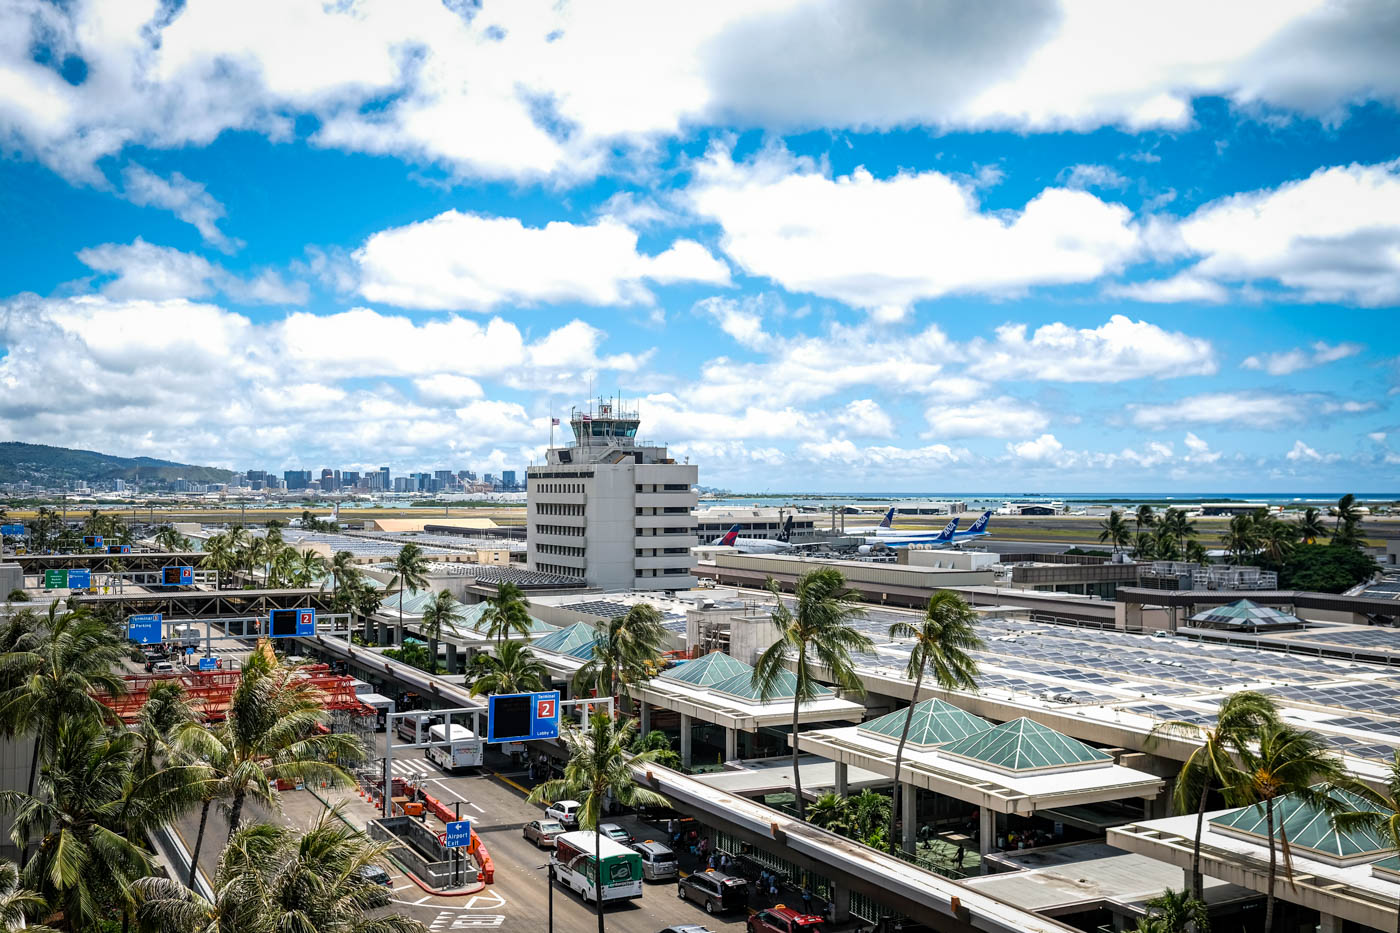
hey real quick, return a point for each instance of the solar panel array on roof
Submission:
(1023, 745)
(1309, 827)
(603, 608)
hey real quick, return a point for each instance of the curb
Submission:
(455, 892)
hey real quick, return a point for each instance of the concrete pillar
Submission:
(731, 744)
(909, 798)
(386, 635)
(685, 740)
(842, 778)
(369, 630)
(840, 904)
(454, 665)
(646, 717)
(1329, 923)
(986, 834)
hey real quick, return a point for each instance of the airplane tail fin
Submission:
(888, 520)
(730, 537)
(980, 525)
(948, 531)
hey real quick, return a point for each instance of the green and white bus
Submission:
(573, 866)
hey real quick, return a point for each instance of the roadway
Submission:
(517, 901)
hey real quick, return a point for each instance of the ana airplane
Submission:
(886, 534)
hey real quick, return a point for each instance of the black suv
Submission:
(717, 891)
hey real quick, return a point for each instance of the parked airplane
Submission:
(763, 545)
(886, 534)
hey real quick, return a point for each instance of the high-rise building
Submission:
(508, 480)
(297, 479)
(330, 480)
(384, 482)
(613, 512)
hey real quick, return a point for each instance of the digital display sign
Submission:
(177, 576)
(291, 623)
(521, 717)
(92, 541)
(118, 549)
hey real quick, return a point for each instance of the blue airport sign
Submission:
(176, 575)
(208, 664)
(144, 629)
(92, 541)
(79, 579)
(291, 623)
(458, 835)
(522, 717)
(12, 530)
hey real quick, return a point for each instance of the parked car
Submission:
(616, 833)
(565, 811)
(542, 832)
(376, 875)
(783, 919)
(715, 890)
(163, 667)
(687, 928)
(658, 861)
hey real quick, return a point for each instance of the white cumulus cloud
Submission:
(1290, 361)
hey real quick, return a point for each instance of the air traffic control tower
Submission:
(611, 510)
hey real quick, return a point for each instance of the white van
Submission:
(460, 749)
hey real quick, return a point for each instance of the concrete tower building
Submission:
(612, 510)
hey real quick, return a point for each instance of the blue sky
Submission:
(822, 245)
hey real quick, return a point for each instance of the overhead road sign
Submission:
(522, 717)
(55, 579)
(458, 835)
(118, 549)
(12, 530)
(79, 579)
(92, 541)
(291, 623)
(177, 576)
(144, 629)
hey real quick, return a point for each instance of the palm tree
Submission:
(1196, 553)
(308, 566)
(1144, 517)
(1287, 761)
(1164, 544)
(272, 732)
(1241, 538)
(165, 711)
(600, 768)
(626, 652)
(89, 810)
(1175, 912)
(1311, 528)
(832, 812)
(1384, 817)
(1179, 526)
(221, 556)
(17, 901)
(507, 613)
(443, 610)
(1277, 538)
(1242, 717)
(240, 543)
(513, 669)
(1114, 530)
(168, 539)
(821, 625)
(1144, 546)
(273, 878)
(410, 573)
(942, 641)
(1348, 513)
(342, 569)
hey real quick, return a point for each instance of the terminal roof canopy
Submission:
(934, 723)
(1022, 745)
(1308, 827)
(1244, 615)
(741, 686)
(715, 667)
(568, 640)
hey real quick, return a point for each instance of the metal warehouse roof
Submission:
(1309, 827)
(935, 723)
(1023, 745)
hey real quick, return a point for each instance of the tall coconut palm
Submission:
(308, 567)
(1348, 513)
(600, 768)
(342, 568)
(507, 613)
(942, 644)
(1144, 517)
(1179, 526)
(1195, 553)
(1164, 544)
(821, 626)
(273, 878)
(1241, 537)
(1241, 719)
(168, 539)
(272, 731)
(1285, 761)
(410, 573)
(443, 610)
(1277, 539)
(18, 902)
(1114, 530)
(512, 669)
(1384, 816)
(1311, 527)
(88, 812)
(240, 542)
(626, 653)
(220, 556)
(1144, 546)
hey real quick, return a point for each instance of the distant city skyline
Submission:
(823, 246)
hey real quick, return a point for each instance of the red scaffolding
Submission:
(211, 691)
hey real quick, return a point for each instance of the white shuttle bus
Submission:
(460, 749)
(573, 866)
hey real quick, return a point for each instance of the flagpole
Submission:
(551, 422)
